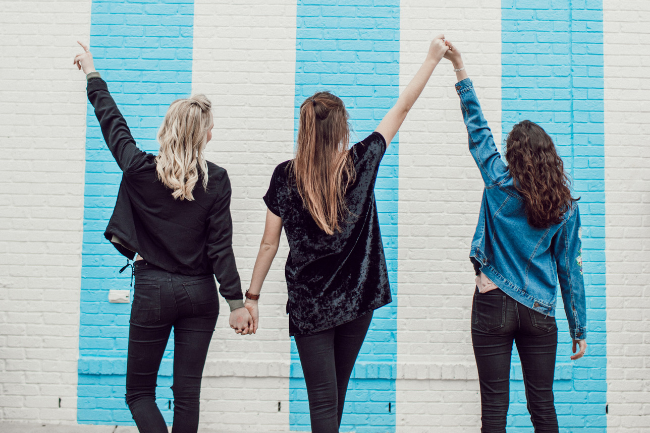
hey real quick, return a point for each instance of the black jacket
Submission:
(180, 236)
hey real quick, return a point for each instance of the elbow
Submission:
(269, 247)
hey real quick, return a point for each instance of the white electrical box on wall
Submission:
(119, 296)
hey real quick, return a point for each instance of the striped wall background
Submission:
(574, 66)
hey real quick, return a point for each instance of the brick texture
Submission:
(627, 183)
(257, 60)
(42, 119)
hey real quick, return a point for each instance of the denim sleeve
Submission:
(567, 250)
(114, 128)
(481, 141)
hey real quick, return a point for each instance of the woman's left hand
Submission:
(84, 61)
(583, 348)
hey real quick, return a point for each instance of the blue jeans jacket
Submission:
(523, 261)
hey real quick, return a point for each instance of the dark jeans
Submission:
(497, 321)
(327, 360)
(163, 300)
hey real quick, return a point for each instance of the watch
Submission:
(251, 296)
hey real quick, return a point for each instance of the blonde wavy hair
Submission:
(182, 138)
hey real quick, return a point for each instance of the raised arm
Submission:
(391, 123)
(481, 142)
(114, 128)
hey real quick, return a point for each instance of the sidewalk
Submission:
(6, 427)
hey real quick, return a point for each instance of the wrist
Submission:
(458, 64)
(251, 296)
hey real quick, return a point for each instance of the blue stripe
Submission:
(352, 50)
(144, 52)
(552, 74)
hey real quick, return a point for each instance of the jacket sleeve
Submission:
(114, 128)
(481, 142)
(219, 247)
(567, 250)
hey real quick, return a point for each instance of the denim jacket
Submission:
(523, 261)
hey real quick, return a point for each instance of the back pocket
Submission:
(542, 321)
(203, 295)
(489, 311)
(145, 309)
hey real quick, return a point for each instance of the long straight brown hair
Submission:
(323, 168)
(538, 173)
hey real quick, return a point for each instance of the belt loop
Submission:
(128, 263)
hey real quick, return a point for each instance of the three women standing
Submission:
(526, 239)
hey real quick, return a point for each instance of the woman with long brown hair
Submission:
(173, 213)
(527, 240)
(336, 271)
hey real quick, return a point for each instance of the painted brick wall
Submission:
(440, 193)
(627, 183)
(144, 52)
(42, 123)
(352, 50)
(246, 56)
(553, 75)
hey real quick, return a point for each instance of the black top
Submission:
(333, 279)
(180, 236)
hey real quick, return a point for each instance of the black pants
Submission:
(163, 300)
(327, 360)
(497, 321)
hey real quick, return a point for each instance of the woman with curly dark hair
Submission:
(527, 239)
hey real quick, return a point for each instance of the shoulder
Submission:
(216, 172)
(282, 169)
(374, 144)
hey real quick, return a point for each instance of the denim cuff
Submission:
(464, 85)
(235, 304)
(92, 75)
(578, 333)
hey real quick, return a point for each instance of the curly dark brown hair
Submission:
(538, 173)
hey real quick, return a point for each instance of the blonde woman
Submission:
(173, 212)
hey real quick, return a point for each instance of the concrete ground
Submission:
(6, 427)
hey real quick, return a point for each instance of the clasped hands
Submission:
(245, 320)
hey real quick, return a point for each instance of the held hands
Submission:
(453, 55)
(437, 49)
(254, 311)
(583, 348)
(241, 321)
(84, 61)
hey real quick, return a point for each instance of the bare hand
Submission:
(583, 349)
(254, 311)
(453, 54)
(84, 60)
(241, 321)
(437, 49)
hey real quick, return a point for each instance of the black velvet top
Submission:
(180, 236)
(333, 279)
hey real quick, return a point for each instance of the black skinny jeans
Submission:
(327, 360)
(163, 300)
(497, 321)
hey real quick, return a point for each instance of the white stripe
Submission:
(440, 192)
(244, 61)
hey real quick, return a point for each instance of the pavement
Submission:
(6, 427)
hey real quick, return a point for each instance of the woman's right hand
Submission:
(251, 306)
(583, 348)
(84, 60)
(437, 48)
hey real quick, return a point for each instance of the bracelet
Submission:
(459, 69)
(251, 296)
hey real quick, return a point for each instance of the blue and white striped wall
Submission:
(573, 66)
